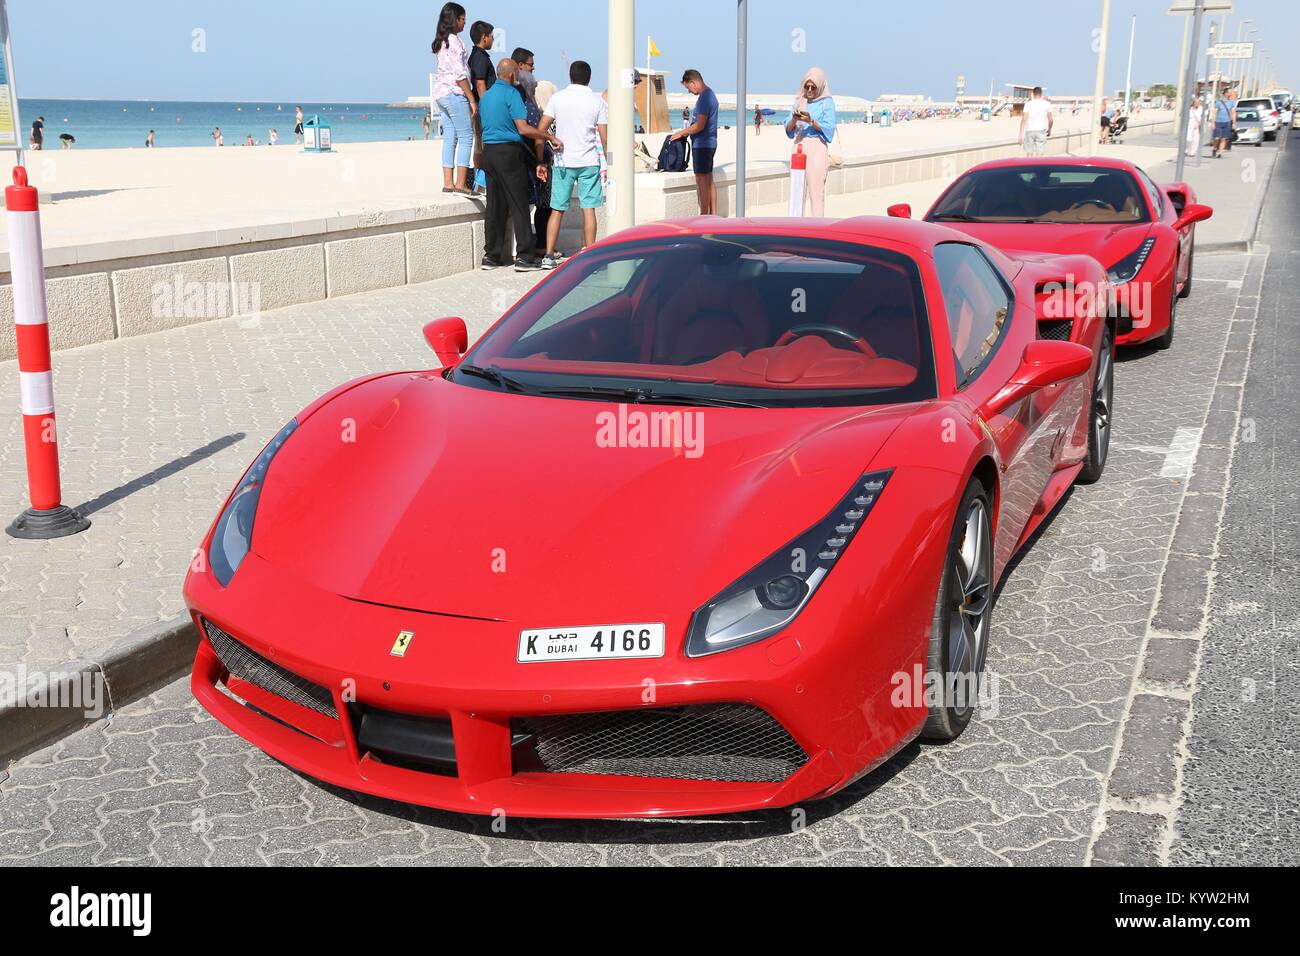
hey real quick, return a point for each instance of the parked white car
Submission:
(1270, 114)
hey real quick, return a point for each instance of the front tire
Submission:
(1100, 412)
(959, 633)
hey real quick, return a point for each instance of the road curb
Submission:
(1257, 208)
(132, 668)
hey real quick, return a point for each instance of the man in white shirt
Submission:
(580, 117)
(1036, 124)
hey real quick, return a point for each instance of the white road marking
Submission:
(1181, 454)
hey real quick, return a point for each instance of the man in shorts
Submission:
(703, 132)
(580, 118)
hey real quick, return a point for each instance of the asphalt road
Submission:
(1045, 779)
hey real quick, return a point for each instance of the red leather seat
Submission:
(878, 306)
(704, 319)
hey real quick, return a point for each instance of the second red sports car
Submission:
(711, 520)
(1110, 209)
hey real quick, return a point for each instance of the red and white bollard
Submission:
(48, 517)
(798, 179)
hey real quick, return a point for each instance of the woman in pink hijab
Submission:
(812, 125)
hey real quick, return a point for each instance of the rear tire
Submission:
(1100, 412)
(1191, 268)
(1167, 338)
(959, 631)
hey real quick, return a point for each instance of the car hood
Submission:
(414, 492)
(1106, 242)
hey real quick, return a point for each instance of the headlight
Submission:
(1127, 268)
(772, 595)
(234, 531)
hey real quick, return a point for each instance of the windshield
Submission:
(1043, 193)
(760, 320)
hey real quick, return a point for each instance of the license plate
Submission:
(620, 642)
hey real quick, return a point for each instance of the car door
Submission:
(989, 330)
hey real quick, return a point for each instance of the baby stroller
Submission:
(1118, 127)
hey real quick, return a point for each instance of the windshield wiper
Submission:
(504, 382)
(954, 217)
(645, 396)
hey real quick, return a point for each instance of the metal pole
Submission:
(1128, 79)
(13, 82)
(1211, 114)
(1189, 88)
(1099, 89)
(622, 114)
(742, 96)
(1182, 58)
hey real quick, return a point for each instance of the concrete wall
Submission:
(165, 282)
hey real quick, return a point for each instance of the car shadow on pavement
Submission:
(100, 502)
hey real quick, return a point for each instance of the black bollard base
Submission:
(40, 525)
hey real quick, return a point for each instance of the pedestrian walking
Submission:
(217, 138)
(758, 121)
(703, 131)
(37, 138)
(580, 118)
(297, 125)
(1225, 120)
(1195, 114)
(427, 123)
(455, 100)
(812, 125)
(148, 140)
(273, 137)
(1036, 122)
(506, 161)
(1107, 116)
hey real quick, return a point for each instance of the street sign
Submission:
(1185, 8)
(10, 132)
(1232, 51)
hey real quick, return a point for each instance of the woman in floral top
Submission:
(451, 94)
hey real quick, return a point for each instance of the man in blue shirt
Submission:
(506, 161)
(1225, 118)
(703, 132)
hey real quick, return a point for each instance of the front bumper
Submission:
(828, 696)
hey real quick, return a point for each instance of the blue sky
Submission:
(348, 50)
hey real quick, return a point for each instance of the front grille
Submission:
(1056, 329)
(725, 742)
(252, 667)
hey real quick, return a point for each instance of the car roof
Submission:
(914, 234)
(1083, 162)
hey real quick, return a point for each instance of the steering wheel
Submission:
(861, 344)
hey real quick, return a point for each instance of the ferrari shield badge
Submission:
(402, 644)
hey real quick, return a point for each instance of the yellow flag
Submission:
(654, 50)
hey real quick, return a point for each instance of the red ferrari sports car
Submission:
(711, 520)
(1109, 209)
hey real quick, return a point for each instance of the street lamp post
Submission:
(742, 95)
(622, 114)
(1189, 91)
(1099, 88)
(1128, 78)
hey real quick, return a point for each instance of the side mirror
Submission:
(449, 339)
(900, 210)
(1045, 362)
(1193, 213)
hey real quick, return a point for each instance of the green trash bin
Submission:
(316, 136)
